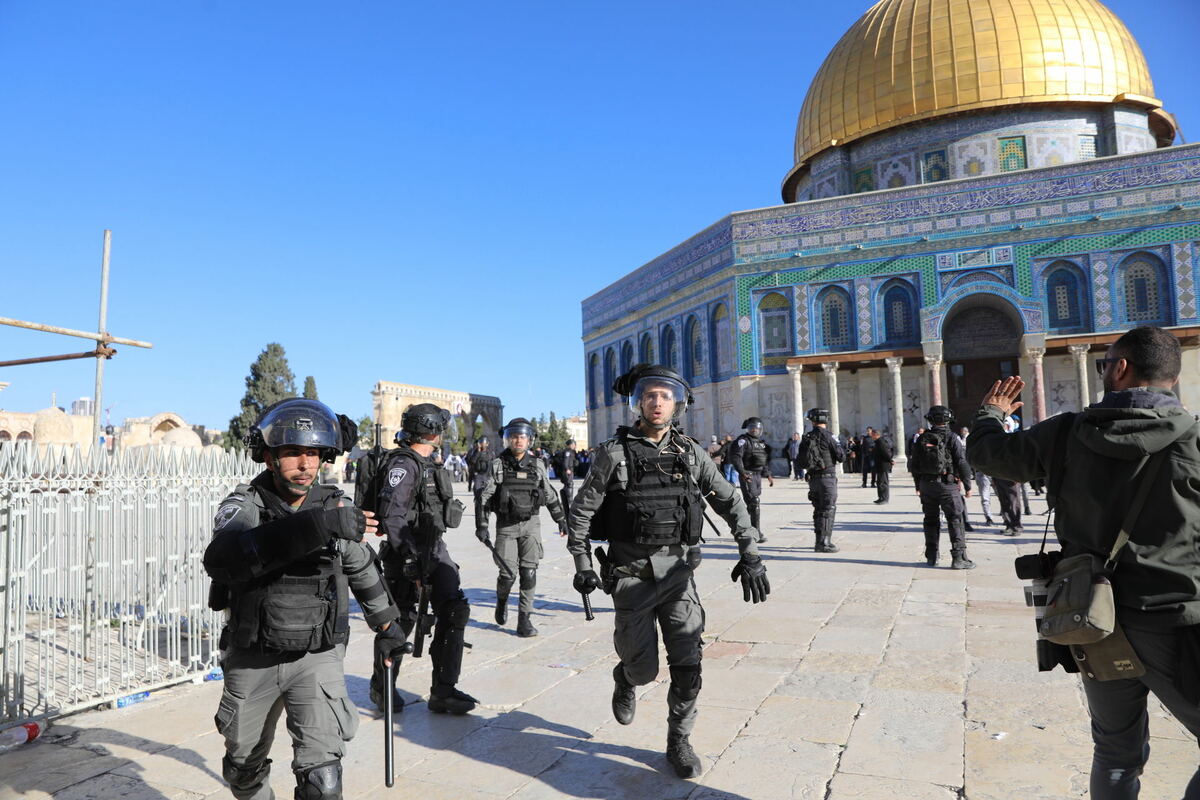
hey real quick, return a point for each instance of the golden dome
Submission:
(908, 60)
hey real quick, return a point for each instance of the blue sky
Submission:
(396, 191)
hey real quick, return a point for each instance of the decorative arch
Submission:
(722, 341)
(610, 375)
(1065, 303)
(775, 325)
(162, 424)
(670, 348)
(593, 370)
(646, 349)
(1143, 292)
(5, 436)
(981, 325)
(836, 321)
(898, 313)
(24, 436)
(693, 348)
(626, 357)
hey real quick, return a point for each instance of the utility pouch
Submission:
(1079, 602)
(1110, 659)
(293, 620)
(656, 527)
(453, 513)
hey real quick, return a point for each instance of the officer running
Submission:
(820, 454)
(939, 464)
(644, 494)
(751, 458)
(478, 468)
(517, 487)
(284, 551)
(416, 505)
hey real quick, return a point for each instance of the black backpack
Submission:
(372, 469)
(931, 454)
(817, 456)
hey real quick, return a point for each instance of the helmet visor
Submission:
(519, 436)
(301, 423)
(653, 394)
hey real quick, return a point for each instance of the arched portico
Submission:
(981, 343)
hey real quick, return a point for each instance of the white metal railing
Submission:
(102, 590)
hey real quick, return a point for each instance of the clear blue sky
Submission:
(416, 192)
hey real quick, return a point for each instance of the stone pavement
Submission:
(867, 675)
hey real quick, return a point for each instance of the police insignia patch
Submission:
(224, 514)
(395, 475)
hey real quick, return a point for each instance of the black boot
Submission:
(624, 701)
(503, 587)
(525, 628)
(830, 547)
(379, 699)
(962, 562)
(450, 700)
(681, 755)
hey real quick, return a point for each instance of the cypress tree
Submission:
(270, 380)
(310, 388)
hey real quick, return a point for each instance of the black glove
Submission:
(482, 535)
(753, 574)
(587, 581)
(352, 524)
(563, 530)
(390, 644)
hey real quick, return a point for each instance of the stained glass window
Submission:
(670, 349)
(1012, 153)
(835, 321)
(1063, 303)
(646, 349)
(898, 315)
(774, 313)
(1142, 292)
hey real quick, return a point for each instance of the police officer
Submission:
(644, 494)
(416, 505)
(564, 470)
(478, 468)
(751, 458)
(885, 458)
(284, 551)
(517, 487)
(939, 464)
(820, 454)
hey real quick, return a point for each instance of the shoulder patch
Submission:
(395, 475)
(224, 514)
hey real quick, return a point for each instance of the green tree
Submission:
(366, 431)
(270, 380)
(310, 388)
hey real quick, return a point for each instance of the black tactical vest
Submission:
(427, 517)
(519, 495)
(660, 504)
(304, 608)
(754, 453)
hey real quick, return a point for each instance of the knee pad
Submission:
(685, 681)
(244, 777)
(528, 577)
(458, 612)
(322, 782)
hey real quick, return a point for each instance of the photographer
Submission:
(1156, 578)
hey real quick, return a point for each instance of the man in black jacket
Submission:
(1156, 581)
(881, 452)
(821, 453)
(940, 467)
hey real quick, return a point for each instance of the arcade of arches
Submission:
(471, 413)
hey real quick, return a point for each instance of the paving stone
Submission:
(822, 721)
(848, 786)
(908, 735)
(741, 772)
(850, 640)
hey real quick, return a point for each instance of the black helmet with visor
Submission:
(653, 377)
(519, 427)
(299, 422)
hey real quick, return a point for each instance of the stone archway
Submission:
(391, 400)
(981, 342)
(162, 424)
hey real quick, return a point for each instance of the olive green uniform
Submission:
(654, 584)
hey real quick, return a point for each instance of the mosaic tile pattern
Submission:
(896, 172)
(935, 166)
(1087, 146)
(800, 297)
(863, 180)
(862, 290)
(1012, 154)
(950, 280)
(1101, 291)
(1002, 255)
(1052, 150)
(1185, 285)
(975, 258)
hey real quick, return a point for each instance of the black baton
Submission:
(389, 754)
(587, 607)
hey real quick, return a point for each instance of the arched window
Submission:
(694, 355)
(1144, 290)
(670, 348)
(593, 377)
(646, 349)
(610, 375)
(1064, 297)
(899, 316)
(722, 341)
(833, 305)
(24, 436)
(626, 357)
(5, 436)
(775, 325)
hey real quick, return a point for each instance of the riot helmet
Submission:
(424, 419)
(753, 426)
(300, 422)
(818, 416)
(519, 435)
(940, 415)
(642, 378)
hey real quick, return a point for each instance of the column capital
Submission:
(894, 363)
(933, 361)
(829, 367)
(1034, 353)
(795, 369)
(1079, 351)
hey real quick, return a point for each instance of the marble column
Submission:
(830, 368)
(1037, 382)
(797, 398)
(897, 422)
(933, 366)
(1079, 354)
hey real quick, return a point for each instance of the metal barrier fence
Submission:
(102, 589)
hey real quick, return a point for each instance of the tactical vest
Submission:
(754, 453)
(818, 457)
(660, 503)
(519, 495)
(305, 608)
(434, 508)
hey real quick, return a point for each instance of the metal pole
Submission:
(90, 571)
(105, 338)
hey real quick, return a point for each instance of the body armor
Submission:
(519, 495)
(754, 455)
(659, 504)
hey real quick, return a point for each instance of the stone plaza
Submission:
(866, 676)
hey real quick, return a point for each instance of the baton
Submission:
(389, 754)
(587, 607)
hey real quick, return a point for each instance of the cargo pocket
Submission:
(339, 704)
(227, 715)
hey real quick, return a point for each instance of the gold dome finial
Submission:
(908, 60)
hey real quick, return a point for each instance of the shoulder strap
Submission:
(1149, 467)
